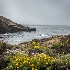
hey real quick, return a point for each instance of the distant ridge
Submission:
(6, 25)
(7, 21)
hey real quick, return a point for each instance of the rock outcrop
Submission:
(6, 25)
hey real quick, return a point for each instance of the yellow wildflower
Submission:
(39, 55)
(33, 68)
(53, 60)
(44, 56)
(46, 63)
(32, 65)
(16, 59)
(36, 47)
(33, 42)
(17, 64)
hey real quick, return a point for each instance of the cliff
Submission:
(6, 25)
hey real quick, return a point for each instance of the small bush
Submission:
(25, 62)
(56, 45)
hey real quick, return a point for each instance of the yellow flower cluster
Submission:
(33, 62)
(35, 45)
(45, 58)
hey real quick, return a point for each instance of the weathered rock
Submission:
(6, 25)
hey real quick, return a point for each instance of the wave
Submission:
(42, 35)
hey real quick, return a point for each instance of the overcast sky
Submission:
(44, 12)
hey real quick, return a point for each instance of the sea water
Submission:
(42, 31)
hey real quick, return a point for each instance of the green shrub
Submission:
(56, 45)
(25, 62)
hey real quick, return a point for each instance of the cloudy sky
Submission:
(44, 12)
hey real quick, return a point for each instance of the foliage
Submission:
(63, 63)
(56, 45)
(25, 62)
(38, 57)
(65, 58)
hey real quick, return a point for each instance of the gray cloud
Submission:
(37, 11)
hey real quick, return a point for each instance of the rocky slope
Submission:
(6, 25)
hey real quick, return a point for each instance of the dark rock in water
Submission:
(6, 25)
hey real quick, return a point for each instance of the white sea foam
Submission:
(42, 35)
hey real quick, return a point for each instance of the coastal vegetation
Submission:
(45, 54)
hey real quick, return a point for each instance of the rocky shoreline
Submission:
(46, 42)
(6, 25)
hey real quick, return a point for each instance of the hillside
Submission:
(6, 25)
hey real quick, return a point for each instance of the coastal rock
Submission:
(6, 25)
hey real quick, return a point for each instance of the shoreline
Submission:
(46, 41)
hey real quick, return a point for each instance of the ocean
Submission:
(42, 31)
